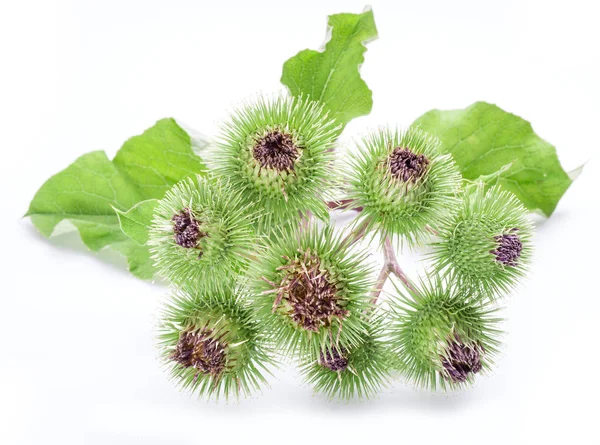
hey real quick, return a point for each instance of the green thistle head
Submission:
(201, 230)
(442, 337)
(486, 246)
(310, 290)
(403, 183)
(359, 371)
(210, 343)
(278, 154)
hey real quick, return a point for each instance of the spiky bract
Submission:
(311, 289)
(486, 246)
(277, 152)
(403, 183)
(201, 233)
(359, 371)
(211, 344)
(442, 336)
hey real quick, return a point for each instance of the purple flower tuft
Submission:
(186, 229)
(308, 293)
(334, 360)
(200, 350)
(460, 360)
(276, 150)
(406, 165)
(509, 248)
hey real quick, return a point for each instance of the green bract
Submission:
(277, 153)
(201, 233)
(359, 371)
(311, 290)
(211, 345)
(402, 182)
(486, 246)
(442, 336)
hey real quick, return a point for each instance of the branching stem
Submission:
(390, 266)
(343, 204)
(305, 221)
(355, 235)
(431, 230)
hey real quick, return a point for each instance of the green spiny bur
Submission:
(402, 183)
(277, 153)
(358, 371)
(201, 232)
(441, 335)
(210, 343)
(486, 246)
(311, 290)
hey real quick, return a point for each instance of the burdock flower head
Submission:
(201, 232)
(441, 336)
(359, 371)
(278, 154)
(335, 359)
(202, 349)
(403, 183)
(211, 344)
(310, 288)
(460, 360)
(486, 246)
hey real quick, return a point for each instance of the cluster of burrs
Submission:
(258, 278)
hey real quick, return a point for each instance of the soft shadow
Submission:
(540, 221)
(395, 398)
(71, 243)
(297, 396)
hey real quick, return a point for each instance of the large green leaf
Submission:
(488, 141)
(135, 222)
(332, 76)
(88, 192)
(157, 159)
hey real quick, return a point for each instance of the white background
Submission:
(77, 363)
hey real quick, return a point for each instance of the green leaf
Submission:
(138, 258)
(332, 76)
(157, 159)
(136, 221)
(494, 178)
(88, 192)
(490, 142)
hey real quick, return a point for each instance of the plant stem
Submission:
(381, 279)
(355, 235)
(431, 230)
(395, 268)
(343, 204)
(390, 266)
(305, 221)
